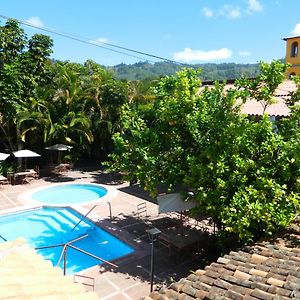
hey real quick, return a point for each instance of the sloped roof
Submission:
(24, 274)
(282, 93)
(291, 37)
(266, 271)
(257, 108)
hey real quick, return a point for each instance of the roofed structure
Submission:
(292, 56)
(278, 109)
(25, 275)
(255, 107)
(267, 271)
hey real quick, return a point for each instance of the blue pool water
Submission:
(69, 194)
(50, 226)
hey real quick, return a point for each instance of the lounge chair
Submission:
(34, 173)
(3, 180)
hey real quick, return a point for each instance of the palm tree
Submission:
(58, 115)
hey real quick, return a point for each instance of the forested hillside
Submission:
(210, 71)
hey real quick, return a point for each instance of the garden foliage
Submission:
(244, 172)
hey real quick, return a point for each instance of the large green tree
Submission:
(58, 115)
(79, 107)
(24, 65)
(243, 173)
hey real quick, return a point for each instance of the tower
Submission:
(292, 56)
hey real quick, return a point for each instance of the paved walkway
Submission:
(131, 279)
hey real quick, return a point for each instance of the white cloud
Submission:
(254, 6)
(35, 21)
(208, 12)
(296, 30)
(231, 12)
(245, 53)
(188, 55)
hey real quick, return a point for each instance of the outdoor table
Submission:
(179, 239)
(20, 177)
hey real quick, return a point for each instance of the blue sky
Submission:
(188, 31)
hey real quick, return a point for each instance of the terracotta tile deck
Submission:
(131, 279)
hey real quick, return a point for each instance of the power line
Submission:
(96, 43)
(72, 37)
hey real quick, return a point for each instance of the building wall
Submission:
(293, 55)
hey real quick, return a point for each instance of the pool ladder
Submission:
(4, 239)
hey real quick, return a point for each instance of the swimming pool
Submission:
(69, 193)
(50, 226)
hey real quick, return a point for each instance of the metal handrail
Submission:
(47, 247)
(94, 256)
(66, 244)
(110, 214)
(85, 277)
(65, 248)
(83, 217)
(4, 239)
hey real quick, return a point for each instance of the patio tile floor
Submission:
(131, 279)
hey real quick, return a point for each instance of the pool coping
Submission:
(132, 279)
(27, 195)
(141, 249)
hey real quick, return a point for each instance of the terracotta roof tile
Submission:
(201, 294)
(241, 275)
(189, 289)
(276, 282)
(261, 286)
(248, 297)
(245, 269)
(265, 271)
(276, 297)
(26, 275)
(223, 260)
(283, 292)
(258, 293)
(263, 268)
(234, 295)
(255, 278)
(202, 286)
(206, 279)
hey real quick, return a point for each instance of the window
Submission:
(291, 75)
(294, 49)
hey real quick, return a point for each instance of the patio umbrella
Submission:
(4, 156)
(59, 148)
(25, 154)
(174, 202)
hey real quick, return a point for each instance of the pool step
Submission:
(71, 235)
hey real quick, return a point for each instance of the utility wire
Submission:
(97, 44)
(75, 38)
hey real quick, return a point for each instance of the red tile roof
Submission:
(266, 271)
(282, 93)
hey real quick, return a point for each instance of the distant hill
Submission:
(210, 71)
